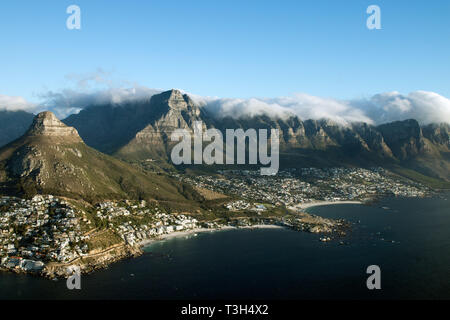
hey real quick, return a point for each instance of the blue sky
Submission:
(229, 48)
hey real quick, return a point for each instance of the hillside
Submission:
(51, 158)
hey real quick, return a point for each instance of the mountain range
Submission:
(140, 131)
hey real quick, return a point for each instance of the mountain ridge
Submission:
(302, 142)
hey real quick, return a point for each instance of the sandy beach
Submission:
(187, 233)
(324, 203)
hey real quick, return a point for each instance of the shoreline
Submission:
(304, 206)
(140, 246)
(186, 233)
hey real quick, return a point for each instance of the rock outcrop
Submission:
(47, 124)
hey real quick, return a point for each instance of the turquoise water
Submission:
(410, 242)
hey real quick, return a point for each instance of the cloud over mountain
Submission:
(99, 87)
(13, 103)
(90, 89)
(303, 105)
(426, 107)
(70, 101)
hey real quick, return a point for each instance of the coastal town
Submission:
(41, 229)
(297, 186)
(49, 229)
(53, 231)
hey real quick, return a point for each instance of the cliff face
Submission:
(167, 112)
(373, 139)
(405, 138)
(438, 134)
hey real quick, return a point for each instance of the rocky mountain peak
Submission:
(175, 99)
(47, 124)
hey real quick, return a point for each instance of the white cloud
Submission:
(313, 107)
(14, 103)
(90, 89)
(222, 107)
(426, 107)
(70, 101)
(303, 105)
